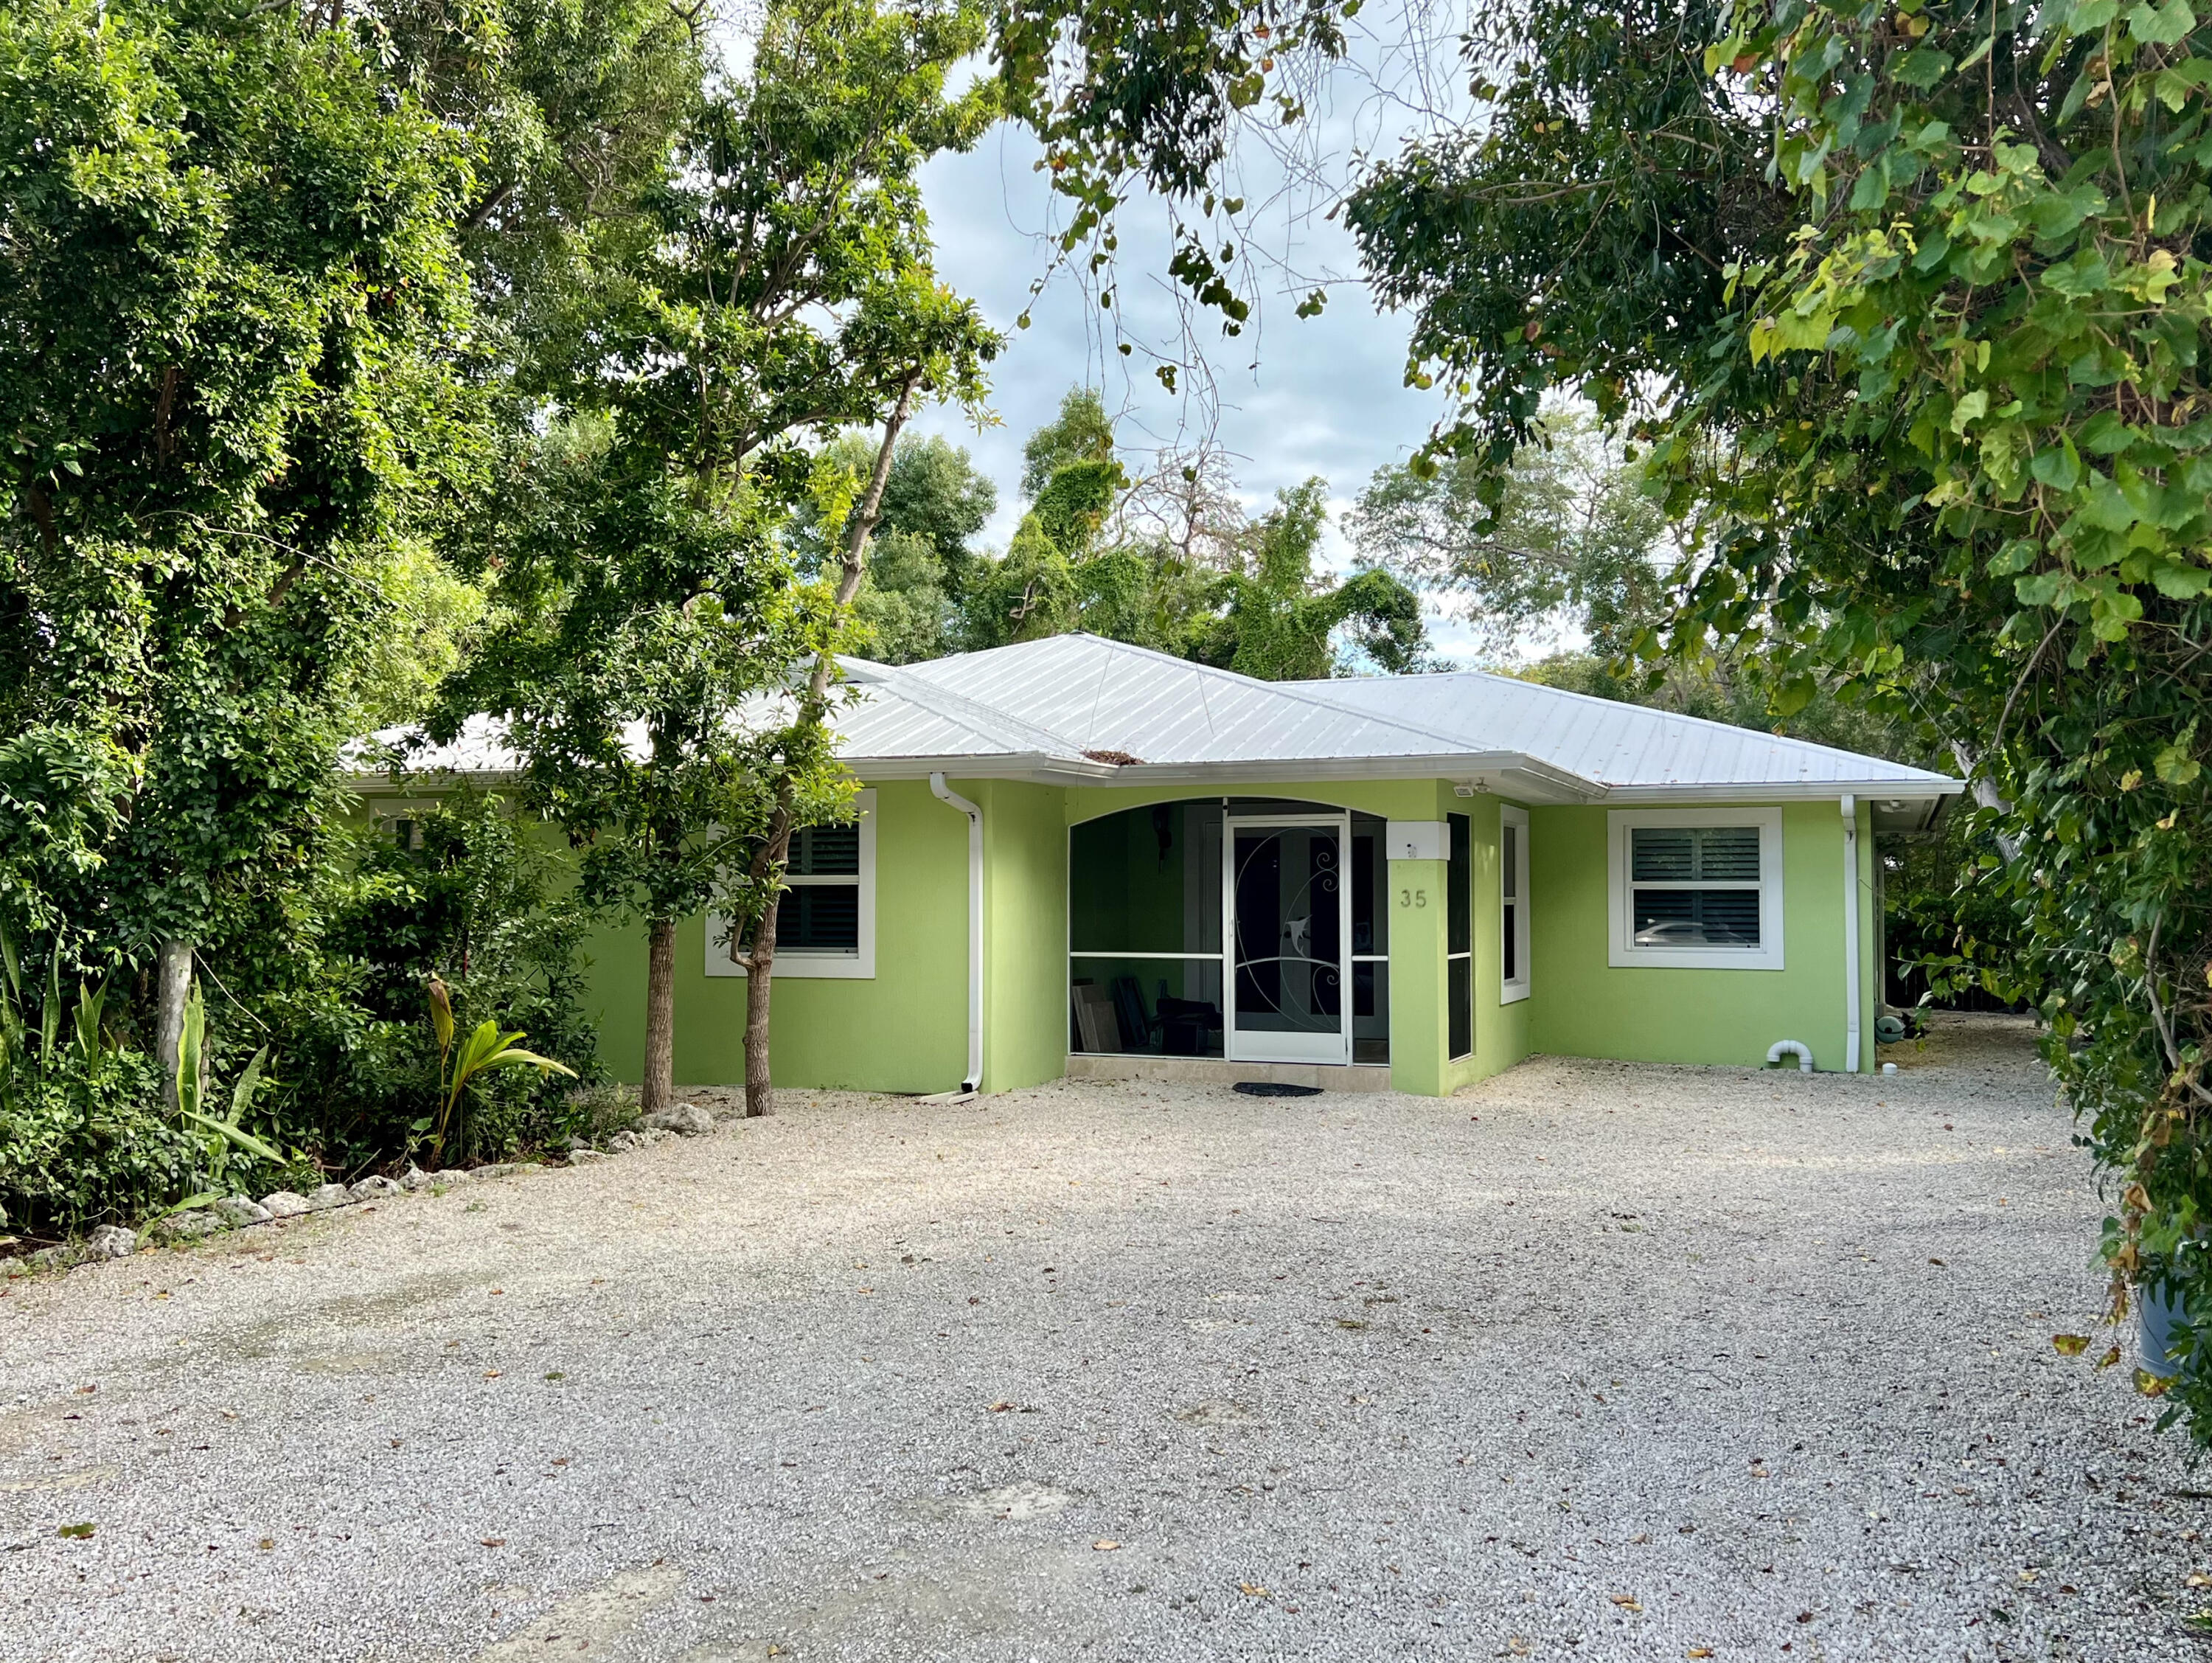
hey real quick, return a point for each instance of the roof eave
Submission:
(1885, 791)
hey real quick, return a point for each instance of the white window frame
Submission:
(856, 966)
(390, 811)
(1625, 954)
(1513, 989)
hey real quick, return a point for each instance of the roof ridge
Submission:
(1282, 688)
(1600, 700)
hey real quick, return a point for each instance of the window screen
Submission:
(1509, 871)
(1459, 936)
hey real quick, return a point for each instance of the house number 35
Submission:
(1412, 897)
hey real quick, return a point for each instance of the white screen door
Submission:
(1286, 904)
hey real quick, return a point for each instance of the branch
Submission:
(860, 526)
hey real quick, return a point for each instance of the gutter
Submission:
(944, 794)
(1851, 933)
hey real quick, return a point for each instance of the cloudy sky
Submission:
(1296, 396)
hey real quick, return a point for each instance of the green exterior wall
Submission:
(1580, 1006)
(905, 1030)
(1024, 933)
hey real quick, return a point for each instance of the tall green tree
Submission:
(920, 557)
(1575, 540)
(1278, 615)
(665, 671)
(230, 376)
(1169, 560)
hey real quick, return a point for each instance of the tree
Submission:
(1922, 398)
(1575, 540)
(1169, 560)
(935, 501)
(665, 675)
(232, 376)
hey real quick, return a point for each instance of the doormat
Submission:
(1270, 1088)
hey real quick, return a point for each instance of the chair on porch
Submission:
(1179, 1027)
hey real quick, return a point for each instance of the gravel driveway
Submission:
(1593, 1361)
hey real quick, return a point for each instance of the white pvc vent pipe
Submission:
(946, 794)
(1796, 1048)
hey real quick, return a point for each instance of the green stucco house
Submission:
(1075, 856)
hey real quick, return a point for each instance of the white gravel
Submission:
(1593, 1361)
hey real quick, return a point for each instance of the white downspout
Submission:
(944, 794)
(1851, 933)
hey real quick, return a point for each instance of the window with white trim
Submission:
(1696, 888)
(825, 918)
(1513, 902)
(400, 819)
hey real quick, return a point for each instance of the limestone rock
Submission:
(282, 1204)
(187, 1226)
(238, 1212)
(331, 1195)
(48, 1258)
(690, 1119)
(623, 1142)
(415, 1178)
(580, 1157)
(374, 1187)
(111, 1241)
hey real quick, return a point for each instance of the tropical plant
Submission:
(213, 439)
(483, 1050)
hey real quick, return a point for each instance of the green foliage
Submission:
(233, 298)
(1170, 562)
(1279, 618)
(1082, 432)
(474, 899)
(82, 1135)
(918, 560)
(1574, 538)
(483, 1050)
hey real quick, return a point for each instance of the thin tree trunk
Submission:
(171, 993)
(760, 960)
(760, 1090)
(658, 1084)
(1986, 793)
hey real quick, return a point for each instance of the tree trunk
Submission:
(760, 1094)
(656, 1086)
(173, 988)
(760, 959)
(1986, 793)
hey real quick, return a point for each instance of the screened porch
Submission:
(1279, 905)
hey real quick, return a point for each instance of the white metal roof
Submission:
(1081, 708)
(1622, 746)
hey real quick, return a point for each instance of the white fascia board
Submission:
(429, 779)
(1890, 790)
(1030, 766)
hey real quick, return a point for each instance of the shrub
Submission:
(467, 894)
